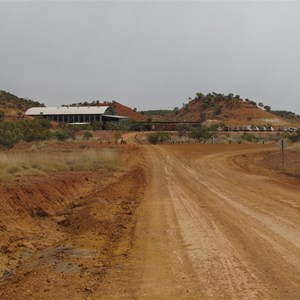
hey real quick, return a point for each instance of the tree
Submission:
(218, 109)
(199, 96)
(268, 108)
(252, 102)
(260, 104)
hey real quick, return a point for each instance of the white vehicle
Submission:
(247, 128)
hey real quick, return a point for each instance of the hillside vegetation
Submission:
(227, 109)
(155, 115)
(287, 115)
(218, 108)
(13, 106)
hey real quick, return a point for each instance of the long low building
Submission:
(77, 114)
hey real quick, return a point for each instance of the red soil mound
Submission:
(123, 110)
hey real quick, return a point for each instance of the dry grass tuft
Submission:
(297, 147)
(40, 163)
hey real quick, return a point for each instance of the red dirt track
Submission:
(186, 221)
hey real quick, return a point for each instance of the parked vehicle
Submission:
(247, 128)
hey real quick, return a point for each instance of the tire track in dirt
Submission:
(220, 268)
(236, 240)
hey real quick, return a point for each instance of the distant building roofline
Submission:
(69, 110)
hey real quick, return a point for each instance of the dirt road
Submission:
(183, 222)
(208, 229)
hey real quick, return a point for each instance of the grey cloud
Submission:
(150, 54)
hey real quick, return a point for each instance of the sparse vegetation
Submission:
(117, 136)
(87, 135)
(286, 114)
(24, 130)
(201, 134)
(158, 137)
(63, 135)
(8, 100)
(217, 106)
(160, 112)
(183, 129)
(249, 137)
(295, 138)
(96, 125)
(24, 164)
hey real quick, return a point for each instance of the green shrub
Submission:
(249, 137)
(23, 130)
(158, 137)
(87, 135)
(294, 138)
(182, 129)
(62, 135)
(201, 134)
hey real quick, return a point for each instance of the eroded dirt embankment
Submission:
(62, 233)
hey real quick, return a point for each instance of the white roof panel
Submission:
(66, 110)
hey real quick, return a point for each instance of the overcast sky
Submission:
(151, 55)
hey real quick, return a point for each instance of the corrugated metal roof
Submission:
(71, 110)
(116, 117)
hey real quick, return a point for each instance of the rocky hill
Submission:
(224, 109)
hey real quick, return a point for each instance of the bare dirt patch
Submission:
(270, 162)
(62, 233)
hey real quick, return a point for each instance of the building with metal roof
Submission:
(76, 114)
